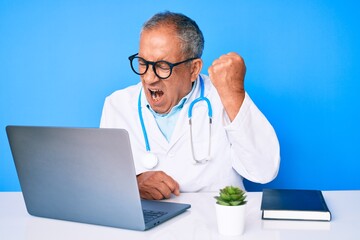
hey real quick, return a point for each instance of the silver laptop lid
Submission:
(77, 174)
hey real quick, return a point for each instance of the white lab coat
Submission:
(246, 147)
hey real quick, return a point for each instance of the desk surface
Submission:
(197, 223)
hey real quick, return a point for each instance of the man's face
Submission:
(162, 44)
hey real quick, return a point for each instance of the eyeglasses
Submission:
(162, 69)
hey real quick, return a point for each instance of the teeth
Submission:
(156, 94)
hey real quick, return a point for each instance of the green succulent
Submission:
(231, 196)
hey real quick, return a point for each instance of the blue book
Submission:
(293, 204)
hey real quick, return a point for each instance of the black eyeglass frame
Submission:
(171, 65)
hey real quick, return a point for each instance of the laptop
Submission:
(83, 175)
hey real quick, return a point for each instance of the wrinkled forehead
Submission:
(161, 43)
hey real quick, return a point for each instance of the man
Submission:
(170, 155)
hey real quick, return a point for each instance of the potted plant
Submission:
(230, 210)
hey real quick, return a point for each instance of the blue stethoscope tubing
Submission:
(199, 99)
(150, 161)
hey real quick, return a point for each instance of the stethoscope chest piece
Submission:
(150, 161)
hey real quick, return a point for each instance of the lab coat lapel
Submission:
(181, 127)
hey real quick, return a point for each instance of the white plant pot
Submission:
(230, 219)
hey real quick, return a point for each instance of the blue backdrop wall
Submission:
(60, 59)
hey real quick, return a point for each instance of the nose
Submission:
(150, 77)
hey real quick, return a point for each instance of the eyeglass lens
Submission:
(161, 68)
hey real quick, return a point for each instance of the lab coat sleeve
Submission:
(103, 120)
(255, 150)
(114, 108)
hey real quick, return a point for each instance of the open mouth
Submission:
(156, 94)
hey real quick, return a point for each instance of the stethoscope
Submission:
(150, 160)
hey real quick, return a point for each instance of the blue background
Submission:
(60, 59)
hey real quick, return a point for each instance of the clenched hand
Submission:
(227, 73)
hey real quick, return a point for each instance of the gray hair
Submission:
(186, 29)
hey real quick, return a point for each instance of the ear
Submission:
(196, 67)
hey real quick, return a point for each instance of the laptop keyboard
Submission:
(150, 215)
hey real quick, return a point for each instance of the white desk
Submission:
(197, 223)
